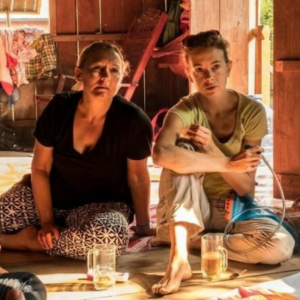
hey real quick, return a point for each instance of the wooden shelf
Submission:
(20, 123)
(287, 66)
(87, 37)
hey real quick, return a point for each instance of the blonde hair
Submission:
(99, 46)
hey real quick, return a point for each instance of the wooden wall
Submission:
(286, 96)
(112, 19)
(76, 23)
(232, 19)
(24, 111)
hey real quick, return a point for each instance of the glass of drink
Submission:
(90, 265)
(104, 266)
(214, 258)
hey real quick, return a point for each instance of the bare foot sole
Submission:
(15, 294)
(177, 271)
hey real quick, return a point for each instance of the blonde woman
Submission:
(89, 172)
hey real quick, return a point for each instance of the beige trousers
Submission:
(183, 200)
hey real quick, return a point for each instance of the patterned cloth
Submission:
(22, 50)
(44, 63)
(84, 226)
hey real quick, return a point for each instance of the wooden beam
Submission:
(52, 17)
(287, 66)
(20, 123)
(88, 37)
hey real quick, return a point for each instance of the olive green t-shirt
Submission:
(251, 125)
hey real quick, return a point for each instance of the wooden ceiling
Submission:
(20, 6)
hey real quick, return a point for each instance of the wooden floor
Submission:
(66, 278)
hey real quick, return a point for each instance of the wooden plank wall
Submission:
(286, 96)
(159, 87)
(115, 17)
(231, 18)
(234, 25)
(200, 19)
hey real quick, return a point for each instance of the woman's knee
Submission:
(260, 248)
(284, 245)
(112, 228)
(17, 207)
(280, 249)
(26, 180)
(101, 228)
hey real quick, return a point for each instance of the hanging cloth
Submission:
(45, 62)
(11, 57)
(5, 78)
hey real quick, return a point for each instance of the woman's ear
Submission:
(187, 73)
(78, 74)
(229, 66)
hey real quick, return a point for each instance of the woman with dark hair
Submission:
(89, 171)
(21, 286)
(210, 163)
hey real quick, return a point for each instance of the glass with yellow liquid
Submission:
(214, 258)
(104, 266)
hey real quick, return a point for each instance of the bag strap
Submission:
(154, 120)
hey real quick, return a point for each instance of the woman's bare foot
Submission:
(26, 239)
(178, 270)
(155, 241)
(15, 294)
(194, 243)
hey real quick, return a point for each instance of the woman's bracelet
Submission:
(142, 227)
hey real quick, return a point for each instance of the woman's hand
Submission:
(246, 160)
(46, 235)
(201, 138)
(296, 205)
(144, 230)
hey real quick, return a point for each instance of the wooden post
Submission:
(258, 58)
(286, 97)
(251, 47)
(262, 63)
(52, 17)
(266, 66)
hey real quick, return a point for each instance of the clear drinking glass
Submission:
(90, 265)
(104, 266)
(214, 257)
